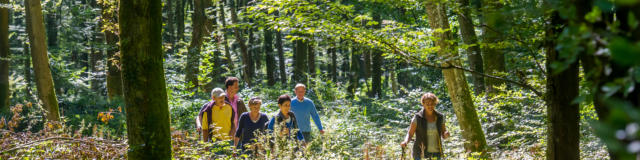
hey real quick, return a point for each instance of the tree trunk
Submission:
(253, 57)
(193, 57)
(283, 75)
(243, 47)
(562, 88)
(170, 29)
(179, 21)
(353, 73)
(270, 59)
(223, 32)
(52, 26)
(27, 69)
(468, 33)
(377, 62)
(4, 57)
(492, 56)
(300, 65)
(145, 92)
(455, 80)
(311, 59)
(114, 77)
(334, 63)
(44, 80)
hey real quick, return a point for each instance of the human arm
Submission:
(412, 130)
(316, 118)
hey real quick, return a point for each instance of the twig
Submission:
(68, 139)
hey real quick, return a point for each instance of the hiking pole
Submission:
(402, 158)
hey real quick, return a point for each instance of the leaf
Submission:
(623, 52)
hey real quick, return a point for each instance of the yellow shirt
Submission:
(221, 118)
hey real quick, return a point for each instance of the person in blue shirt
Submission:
(250, 124)
(284, 120)
(304, 109)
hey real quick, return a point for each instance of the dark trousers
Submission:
(307, 136)
(427, 155)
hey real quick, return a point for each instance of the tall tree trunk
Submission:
(299, 63)
(270, 59)
(222, 30)
(343, 49)
(193, 56)
(4, 57)
(468, 33)
(52, 26)
(179, 15)
(44, 80)
(243, 47)
(334, 63)
(145, 92)
(562, 88)
(493, 57)
(455, 80)
(114, 77)
(376, 67)
(27, 69)
(311, 59)
(170, 32)
(254, 58)
(282, 65)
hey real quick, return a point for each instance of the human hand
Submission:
(322, 132)
(446, 135)
(403, 144)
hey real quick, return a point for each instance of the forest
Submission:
(504, 79)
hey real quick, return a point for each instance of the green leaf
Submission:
(594, 15)
(623, 52)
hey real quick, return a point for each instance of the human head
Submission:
(300, 90)
(217, 94)
(284, 102)
(254, 104)
(232, 85)
(429, 101)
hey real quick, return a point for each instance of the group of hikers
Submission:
(225, 118)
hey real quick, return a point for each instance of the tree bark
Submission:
(353, 73)
(311, 59)
(199, 30)
(300, 57)
(243, 47)
(334, 63)
(4, 57)
(474, 54)
(282, 65)
(37, 40)
(179, 15)
(270, 59)
(562, 88)
(223, 32)
(455, 80)
(27, 69)
(493, 57)
(145, 92)
(170, 29)
(376, 67)
(114, 77)
(52, 26)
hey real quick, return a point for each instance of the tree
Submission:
(493, 58)
(143, 79)
(37, 41)
(562, 88)
(225, 44)
(269, 58)
(300, 50)
(377, 62)
(279, 46)
(455, 80)
(114, 76)
(247, 73)
(4, 57)
(311, 58)
(52, 25)
(201, 28)
(468, 33)
(179, 16)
